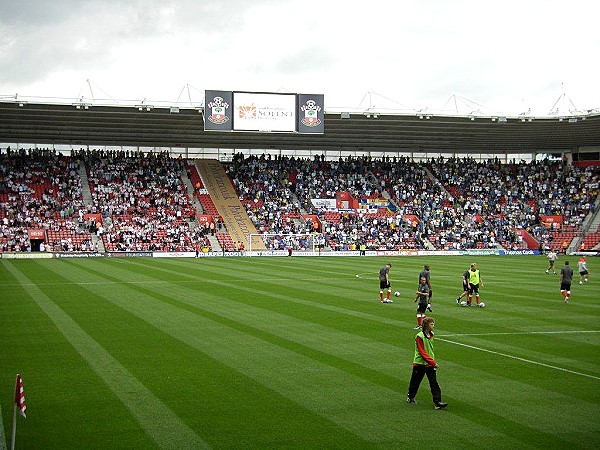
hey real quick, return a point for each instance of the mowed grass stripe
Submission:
(206, 390)
(500, 290)
(254, 316)
(159, 422)
(531, 387)
(552, 348)
(526, 344)
(327, 391)
(523, 334)
(524, 349)
(55, 375)
(489, 386)
(513, 372)
(371, 352)
(548, 383)
(528, 361)
(310, 383)
(178, 269)
(479, 388)
(328, 277)
(489, 317)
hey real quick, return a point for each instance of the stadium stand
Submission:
(144, 201)
(459, 204)
(41, 190)
(398, 203)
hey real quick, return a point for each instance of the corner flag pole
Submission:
(20, 404)
(14, 428)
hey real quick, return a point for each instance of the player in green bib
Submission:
(475, 282)
(424, 363)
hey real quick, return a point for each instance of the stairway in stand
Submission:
(229, 207)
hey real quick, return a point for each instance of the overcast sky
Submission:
(504, 56)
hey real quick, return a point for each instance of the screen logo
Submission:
(311, 117)
(218, 111)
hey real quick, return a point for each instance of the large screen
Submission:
(263, 112)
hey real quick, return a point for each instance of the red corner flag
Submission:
(20, 396)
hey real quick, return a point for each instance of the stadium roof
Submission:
(147, 126)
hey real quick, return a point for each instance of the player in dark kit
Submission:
(423, 298)
(427, 275)
(465, 283)
(384, 283)
(566, 277)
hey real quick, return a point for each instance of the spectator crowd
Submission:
(143, 203)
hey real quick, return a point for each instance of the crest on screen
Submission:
(218, 108)
(311, 117)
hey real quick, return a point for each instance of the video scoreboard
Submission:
(263, 112)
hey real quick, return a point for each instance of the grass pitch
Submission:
(294, 353)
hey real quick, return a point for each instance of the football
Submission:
(481, 305)
(397, 294)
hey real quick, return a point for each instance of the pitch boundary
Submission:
(520, 333)
(518, 358)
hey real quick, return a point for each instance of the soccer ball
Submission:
(463, 303)
(397, 294)
(481, 305)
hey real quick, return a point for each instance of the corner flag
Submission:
(20, 396)
(20, 404)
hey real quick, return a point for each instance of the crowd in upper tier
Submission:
(140, 199)
(144, 200)
(143, 203)
(38, 190)
(449, 204)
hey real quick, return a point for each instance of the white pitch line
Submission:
(518, 333)
(520, 359)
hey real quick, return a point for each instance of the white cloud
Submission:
(507, 56)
